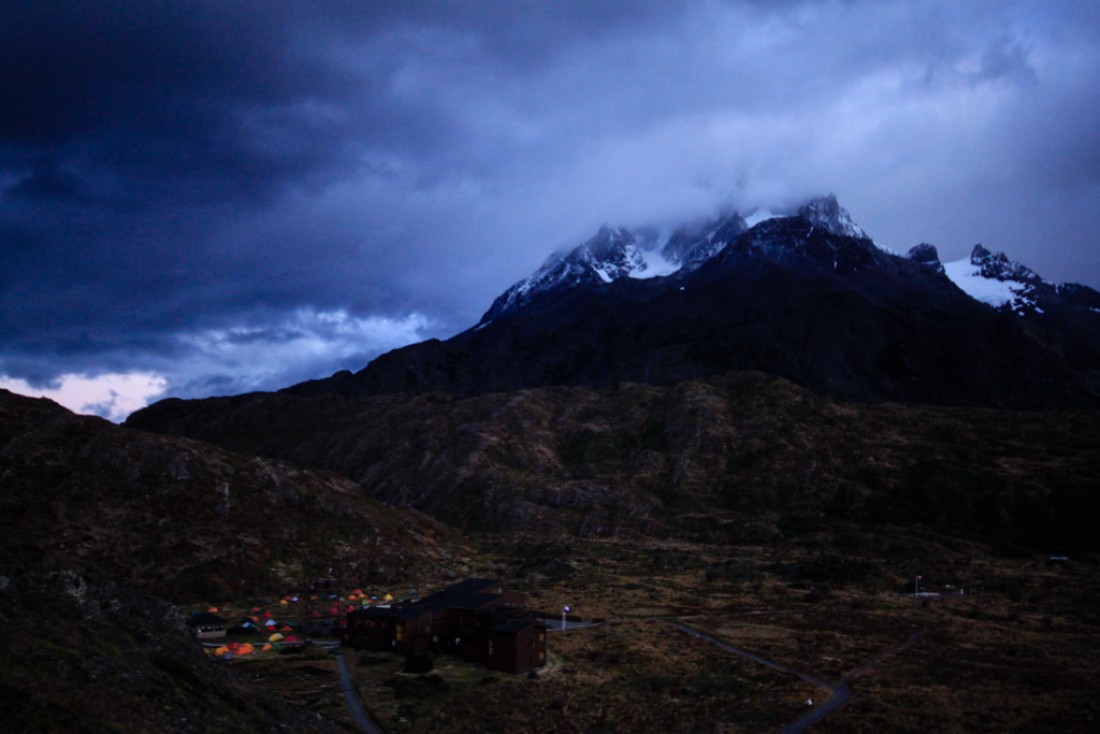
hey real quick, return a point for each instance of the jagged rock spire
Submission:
(927, 257)
(826, 212)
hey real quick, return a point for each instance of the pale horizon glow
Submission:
(112, 396)
(245, 358)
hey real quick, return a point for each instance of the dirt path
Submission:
(839, 694)
(355, 704)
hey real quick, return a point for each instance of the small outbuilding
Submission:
(207, 626)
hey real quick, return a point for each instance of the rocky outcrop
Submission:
(927, 257)
(997, 266)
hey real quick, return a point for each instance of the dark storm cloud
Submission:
(189, 94)
(239, 194)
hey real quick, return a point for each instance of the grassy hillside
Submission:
(106, 533)
(743, 457)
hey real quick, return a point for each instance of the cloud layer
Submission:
(191, 189)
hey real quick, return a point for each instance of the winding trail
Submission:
(355, 704)
(839, 693)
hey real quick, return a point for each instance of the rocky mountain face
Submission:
(600, 402)
(103, 531)
(786, 372)
(740, 458)
(614, 254)
(807, 297)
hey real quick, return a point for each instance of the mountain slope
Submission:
(183, 520)
(732, 459)
(791, 297)
(104, 530)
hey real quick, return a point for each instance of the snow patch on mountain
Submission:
(758, 216)
(655, 265)
(968, 277)
(994, 279)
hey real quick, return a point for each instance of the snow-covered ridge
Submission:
(994, 279)
(968, 277)
(826, 212)
(616, 252)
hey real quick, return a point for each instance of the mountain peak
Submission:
(826, 211)
(997, 266)
(690, 247)
(616, 252)
(927, 257)
(609, 255)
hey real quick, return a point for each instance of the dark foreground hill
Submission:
(184, 520)
(740, 458)
(103, 531)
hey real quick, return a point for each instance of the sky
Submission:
(213, 197)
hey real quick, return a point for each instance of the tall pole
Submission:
(564, 611)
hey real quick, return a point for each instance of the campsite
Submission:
(900, 657)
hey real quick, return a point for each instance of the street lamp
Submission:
(564, 611)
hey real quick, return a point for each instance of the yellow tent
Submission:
(275, 637)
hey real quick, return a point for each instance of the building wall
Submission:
(517, 652)
(406, 635)
(458, 620)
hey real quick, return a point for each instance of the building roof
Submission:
(468, 594)
(396, 614)
(484, 586)
(205, 619)
(516, 625)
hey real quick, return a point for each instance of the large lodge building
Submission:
(474, 619)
